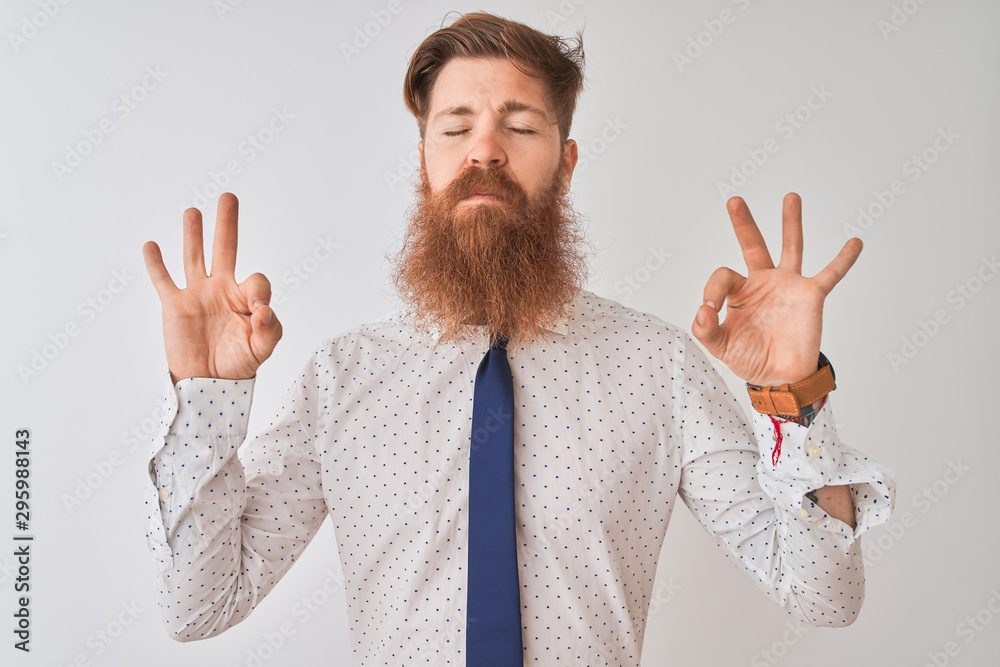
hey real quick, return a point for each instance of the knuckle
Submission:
(722, 273)
(259, 280)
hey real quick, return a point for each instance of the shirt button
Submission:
(164, 494)
(815, 451)
(173, 401)
(804, 513)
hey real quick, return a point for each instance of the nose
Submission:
(486, 151)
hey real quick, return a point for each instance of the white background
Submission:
(334, 173)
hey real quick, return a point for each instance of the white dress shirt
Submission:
(617, 415)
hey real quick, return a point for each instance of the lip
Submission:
(485, 196)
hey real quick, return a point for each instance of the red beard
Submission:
(512, 265)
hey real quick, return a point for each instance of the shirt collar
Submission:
(559, 324)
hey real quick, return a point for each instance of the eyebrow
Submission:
(509, 106)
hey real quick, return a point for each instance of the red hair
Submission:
(559, 62)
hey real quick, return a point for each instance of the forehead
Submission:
(486, 81)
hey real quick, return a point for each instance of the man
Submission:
(615, 412)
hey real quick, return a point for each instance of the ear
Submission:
(569, 158)
(420, 149)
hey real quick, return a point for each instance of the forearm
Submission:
(835, 501)
(809, 463)
(808, 564)
(197, 494)
(223, 536)
(806, 558)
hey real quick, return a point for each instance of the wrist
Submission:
(806, 415)
(797, 400)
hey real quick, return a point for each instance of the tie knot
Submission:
(498, 342)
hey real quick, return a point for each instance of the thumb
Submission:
(265, 332)
(707, 330)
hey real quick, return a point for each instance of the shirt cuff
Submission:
(813, 457)
(194, 406)
(211, 406)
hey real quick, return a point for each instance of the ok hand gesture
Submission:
(213, 327)
(774, 316)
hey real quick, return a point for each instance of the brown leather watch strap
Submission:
(790, 399)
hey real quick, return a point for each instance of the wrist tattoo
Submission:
(812, 496)
(806, 415)
(806, 419)
(803, 420)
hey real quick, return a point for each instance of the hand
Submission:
(214, 327)
(774, 315)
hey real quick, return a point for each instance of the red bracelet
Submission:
(776, 452)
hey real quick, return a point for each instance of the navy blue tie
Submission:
(494, 608)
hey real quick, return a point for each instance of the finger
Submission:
(158, 273)
(707, 330)
(194, 246)
(224, 244)
(265, 333)
(755, 252)
(257, 290)
(723, 282)
(791, 233)
(841, 264)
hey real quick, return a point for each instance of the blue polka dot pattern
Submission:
(617, 415)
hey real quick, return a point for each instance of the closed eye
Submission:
(516, 130)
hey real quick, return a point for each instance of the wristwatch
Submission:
(790, 399)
